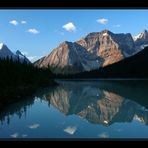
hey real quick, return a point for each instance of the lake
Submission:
(80, 109)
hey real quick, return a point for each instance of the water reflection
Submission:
(98, 102)
(18, 109)
(92, 101)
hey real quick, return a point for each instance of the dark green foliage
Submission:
(21, 79)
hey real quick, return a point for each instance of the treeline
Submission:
(19, 79)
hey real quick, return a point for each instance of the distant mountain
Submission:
(21, 56)
(5, 52)
(141, 40)
(96, 50)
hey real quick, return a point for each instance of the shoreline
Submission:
(23, 94)
(104, 79)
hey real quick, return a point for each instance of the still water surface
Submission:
(80, 109)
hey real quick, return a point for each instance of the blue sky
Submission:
(37, 32)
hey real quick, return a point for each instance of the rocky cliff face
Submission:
(97, 49)
(69, 57)
(109, 46)
(63, 58)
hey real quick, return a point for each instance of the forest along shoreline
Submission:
(20, 79)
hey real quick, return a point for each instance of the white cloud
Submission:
(70, 130)
(23, 22)
(102, 21)
(104, 135)
(14, 22)
(118, 25)
(15, 135)
(69, 27)
(34, 126)
(33, 31)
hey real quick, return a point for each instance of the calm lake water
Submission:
(80, 109)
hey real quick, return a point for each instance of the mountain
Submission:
(132, 67)
(21, 56)
(69, 57)
(6, 52)
(97, 49)
(109, 46)
(141, 40)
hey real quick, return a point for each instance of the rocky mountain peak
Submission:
(5, 51)
(3, 46)
(144, 34)
(97, 49)
(105, 31)
(65, 43)
(141, 40)
(141, 35)
(108, 46)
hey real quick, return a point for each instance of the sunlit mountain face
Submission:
(97, 49)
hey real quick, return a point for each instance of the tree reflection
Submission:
(18, 109)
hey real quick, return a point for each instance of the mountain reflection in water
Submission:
(98, 102)
(95, 104)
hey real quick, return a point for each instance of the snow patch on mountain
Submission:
(1, 45)
(136, 37)
(143, 46)
(105, 34)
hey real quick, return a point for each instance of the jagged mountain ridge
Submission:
(109, 46)
(97, 49)
(5, 52)
(141, 40)
(133, 67)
